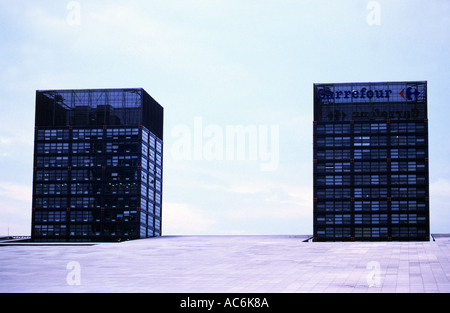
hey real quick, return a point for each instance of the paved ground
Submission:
(206, 264)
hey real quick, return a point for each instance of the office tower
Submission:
(97, 165)
(371, 161)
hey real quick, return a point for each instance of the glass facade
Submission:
(371, 161)
(97, 165)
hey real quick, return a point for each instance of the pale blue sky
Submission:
(223, 63)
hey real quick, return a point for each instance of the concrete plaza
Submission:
(227, 264)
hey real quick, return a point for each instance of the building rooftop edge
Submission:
(375, 82)
(89, 89)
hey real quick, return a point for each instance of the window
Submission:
(53, 134)
(122, 133)
(81, 175)
(152, 141)
(375, 219)
(122, 147)
(152, 155)
(361, 154)
(82, 188)
(362, 128)
(374, 128)
(420, 140)
(158, 160)
(334, 167)
(51, 175)
(123, 161)
(320, 129)
(122, 174)
(346, 219)
(362, 179)
(50, 230)
(329, 128)
(159, 146)
(394, 166)
(399, 166)
(82, 161)
(331, 167)
(329, 219)
(399, 192)
(342, 154)
(329, 180)
(341, 128)
(398, 140)
(412, 179)
(81, 147)
(394, 153)
(78, 134)
(122, 201)
(50, 216)
(375, 206)
(83, 202)
(80, 230)
(143, 231)
(362, 141)
(375, 179)
(329, 231)
(51, 202)
(320, 180)
(358, 166)
(145, 135)
(379, 154)
(51, 189)
(81, 216)
(419, 128)
(87, 134)
(158, 185)
(52, 148)
(411, 140)
(122, 188)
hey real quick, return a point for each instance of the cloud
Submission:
(12, 136)
(15, 192)
(274, 190)
(440, 188)
(15, 208)
(183, 219)
(440, 205)
(266, 199)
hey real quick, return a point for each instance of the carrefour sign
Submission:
(370, 101)
(377, 92)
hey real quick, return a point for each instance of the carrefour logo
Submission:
(408, 93)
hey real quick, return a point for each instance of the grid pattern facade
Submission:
(371, 162)
(97, 166)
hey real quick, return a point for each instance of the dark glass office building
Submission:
(371, 161)
(97, 165)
